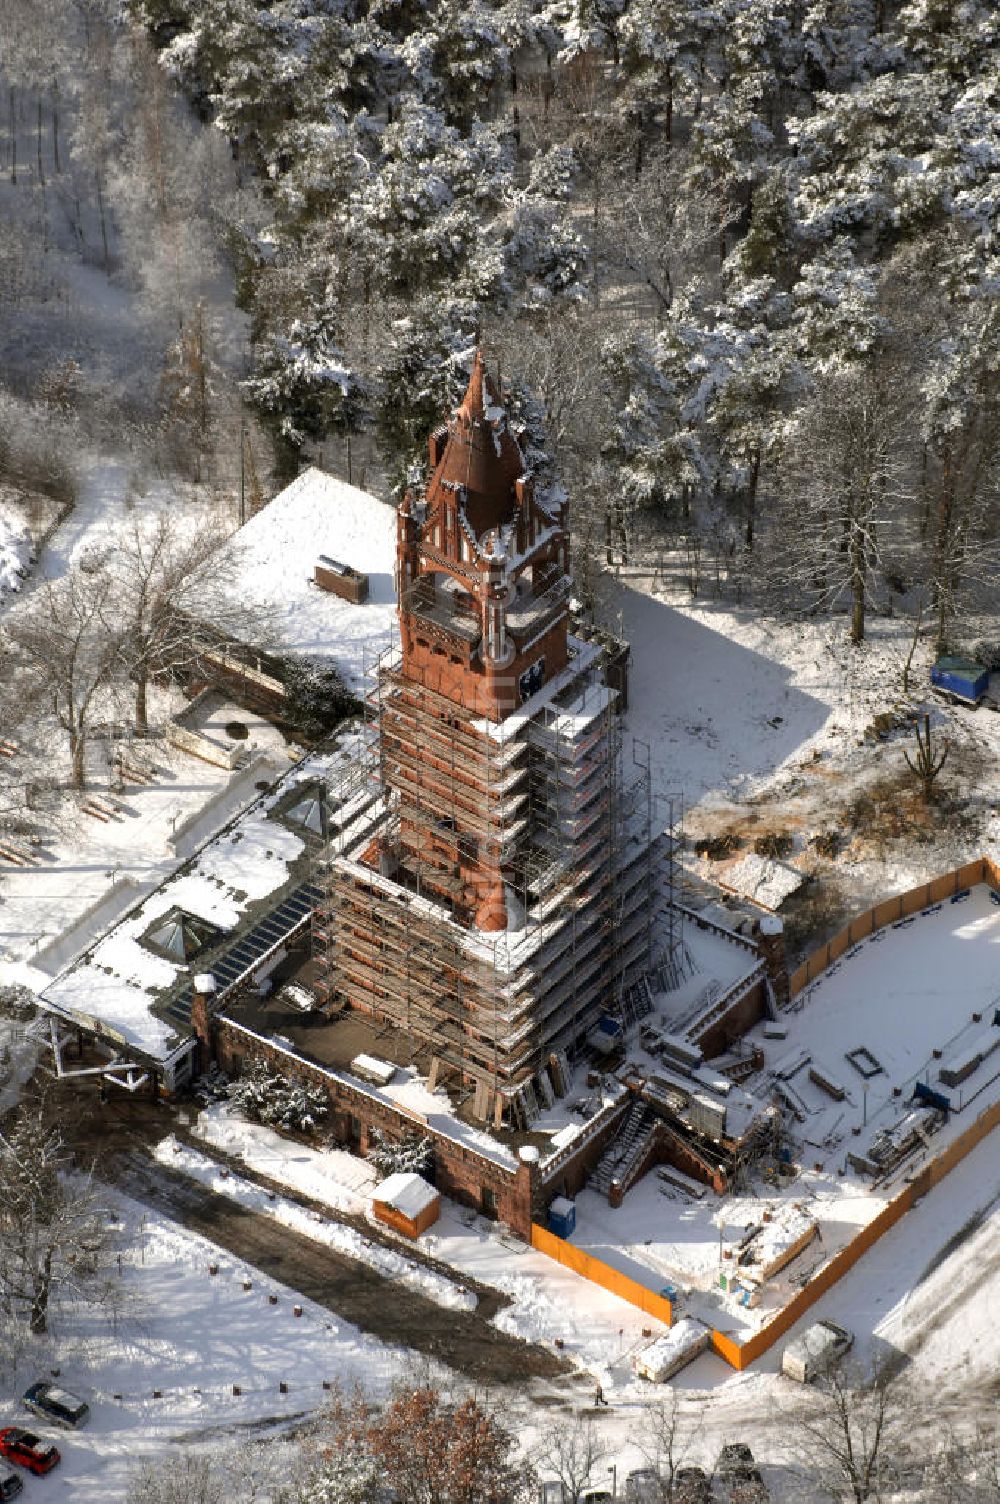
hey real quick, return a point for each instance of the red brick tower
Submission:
(483, 592)
(494, 903)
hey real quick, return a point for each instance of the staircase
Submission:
(623, 1149)
(636, 1002)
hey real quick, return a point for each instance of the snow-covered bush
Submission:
(988, 654)
(413, 1153)
(265, 1096)
(316, 699)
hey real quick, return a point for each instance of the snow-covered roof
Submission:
(134, 989)
(268, 568)
(407, 1193)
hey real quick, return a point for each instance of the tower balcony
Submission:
(444, 611)
(530, 614)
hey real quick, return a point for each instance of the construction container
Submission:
(660, 1359)
(962, 677)
(562, 1217)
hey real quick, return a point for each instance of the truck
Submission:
(815, 1352)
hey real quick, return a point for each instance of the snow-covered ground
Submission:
(760, 724)
(346, 1240)
(193, 1337)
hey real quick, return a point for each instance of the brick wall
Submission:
(508, 1193)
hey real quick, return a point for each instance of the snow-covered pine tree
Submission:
(414, 1153)
(266, 1096)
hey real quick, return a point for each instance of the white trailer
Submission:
(660, 1359)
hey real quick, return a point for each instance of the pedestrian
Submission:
(599, 1395)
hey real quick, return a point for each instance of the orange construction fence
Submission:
(601, 1274)
(740, 1355)
(982, 870)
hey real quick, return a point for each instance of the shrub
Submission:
(266, 1096)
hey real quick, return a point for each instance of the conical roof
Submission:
(481, 456)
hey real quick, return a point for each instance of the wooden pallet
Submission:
(17, 856)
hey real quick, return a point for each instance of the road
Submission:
(120, 1135)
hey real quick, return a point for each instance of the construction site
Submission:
(504, 907)
(462, 919)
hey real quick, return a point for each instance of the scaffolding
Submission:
(549, 799)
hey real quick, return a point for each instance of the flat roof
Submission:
(267, 567)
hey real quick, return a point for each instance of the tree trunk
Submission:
(13, 135)
(41, 1285)
(103, 219)
(751, 506)
(77, 752)
(857, 584)
(55, 127)
(141, 712)
(41, 168)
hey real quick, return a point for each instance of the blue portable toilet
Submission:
(962, 677)
(562, 1217)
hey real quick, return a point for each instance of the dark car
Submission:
(52, 1403)
(644, 1486)
(736, 1461)
(10, 1485)
(740, 1474)
(691, 1486)
(28, 1450)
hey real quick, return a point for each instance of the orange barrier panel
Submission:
(741, 1355)
(598, 1273)
(983, 869)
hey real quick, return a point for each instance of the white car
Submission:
(815, 1352)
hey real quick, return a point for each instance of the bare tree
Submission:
(966, 1469)
(153, 568)
(926, 764)
(66, 650)
(667, 1434)
(843, 479)
(570, 1454)
(853, 1432)
(54, 1242)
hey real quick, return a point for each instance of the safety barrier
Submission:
(982, 870)
(740, 1355)
(602, 1274)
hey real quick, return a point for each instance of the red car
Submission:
(28, 1450)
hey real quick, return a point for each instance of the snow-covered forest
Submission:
(741, 254)
(738, 260)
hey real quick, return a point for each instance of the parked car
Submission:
(596, 1496)
(49, 1402)
(28, 1450)
(553, 1493)
(692, 1486)
(740, 1475)
(816, 1351)
(644, 1486)
(10, 1485)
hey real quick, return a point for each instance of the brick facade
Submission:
(506, 1194)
